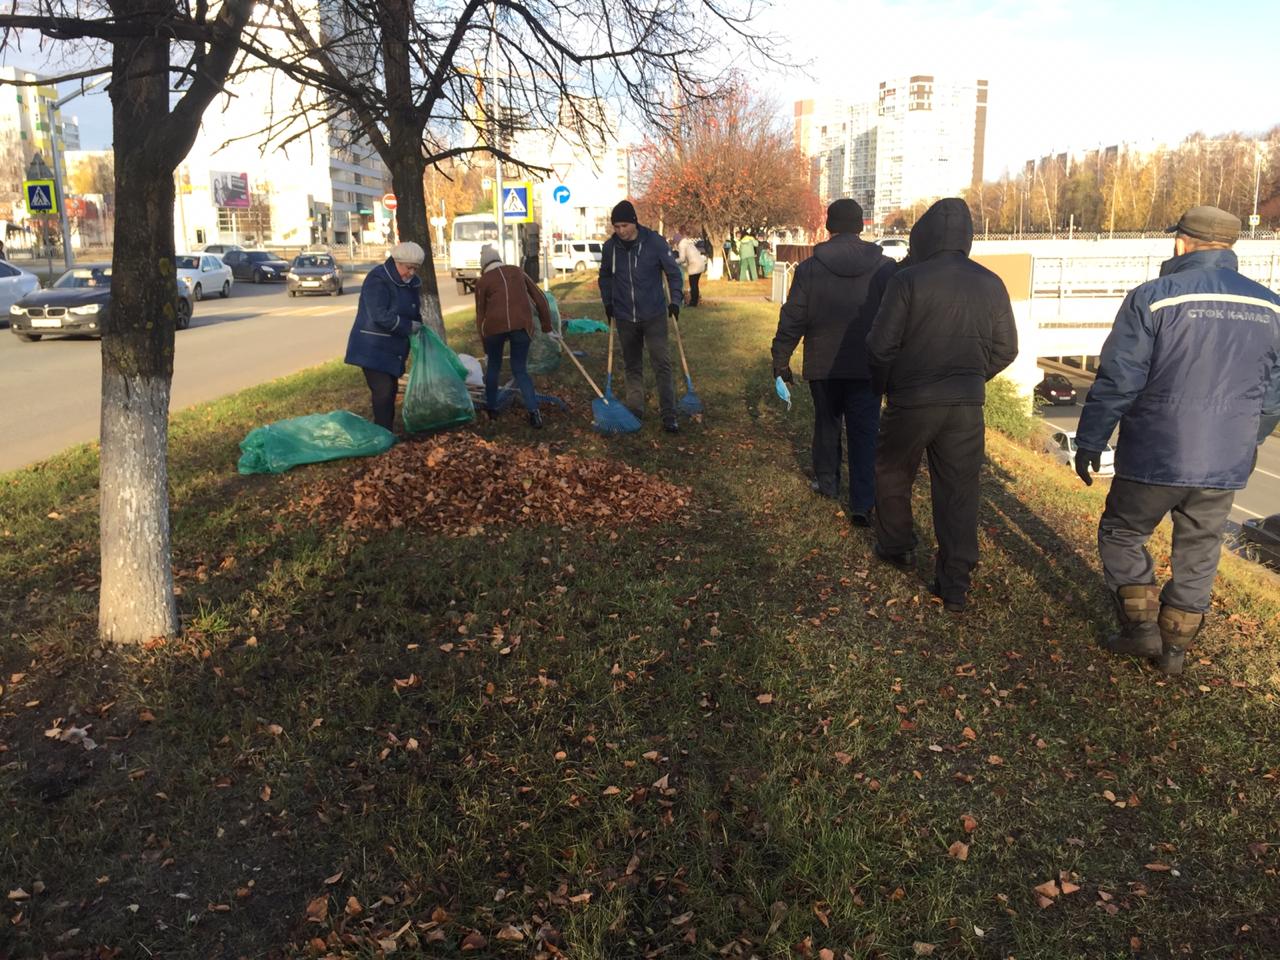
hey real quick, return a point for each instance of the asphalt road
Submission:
(50, 391)
(1260, 498)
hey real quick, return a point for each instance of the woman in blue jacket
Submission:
(388, 313)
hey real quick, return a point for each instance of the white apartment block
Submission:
(920, 139)
(930, 140)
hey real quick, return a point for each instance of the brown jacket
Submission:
(505, 301)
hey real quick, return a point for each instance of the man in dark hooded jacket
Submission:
(833, 298)
(945, 328)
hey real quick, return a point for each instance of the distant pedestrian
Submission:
(531, 250)
(730, 259)
(634, 263)
(691, 260)
(945, 327)
(748, 246)
(506, 300)
(4, 254)
(1189, 369)
(834, 297)
(389, 311)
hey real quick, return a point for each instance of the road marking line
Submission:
(1237, 506)
(1267, 473)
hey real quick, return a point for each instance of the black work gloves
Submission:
(674, 311)
(1085, 459)
(608, 313)
(785, 373)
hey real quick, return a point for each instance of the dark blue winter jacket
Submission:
(388, 307)
(1191, 363)
(631, 277)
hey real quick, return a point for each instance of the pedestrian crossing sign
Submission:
(515, 202)
(41, 196)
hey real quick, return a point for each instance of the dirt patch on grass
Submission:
(461, 485)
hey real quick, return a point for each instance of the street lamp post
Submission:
(52, 107)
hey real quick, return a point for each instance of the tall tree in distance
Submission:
(728, 162)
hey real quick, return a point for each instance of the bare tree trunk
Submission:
(136, 601)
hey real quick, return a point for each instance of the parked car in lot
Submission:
(79, 302)
(260, 266)
(15, 283)
(1062, 446)
(895, 248)
(206, 273)
(576, 254)
(1055, 389)
(1260, 540)
(218, 249)
(314, 273)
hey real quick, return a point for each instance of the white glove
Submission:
(556, 335)
(414, 327)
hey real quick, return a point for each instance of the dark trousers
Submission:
(851, 407)
(1199, 516)
(954, 439)
(694, 279)
(520, 341)
(635, 338)
(382, 387)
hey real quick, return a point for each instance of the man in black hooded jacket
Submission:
(945, 328)
(833, 298)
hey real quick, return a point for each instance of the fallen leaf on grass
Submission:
(958, 850)
(1069, 888)
(923, 949)
(318, 910)
(265, 793)
(509, 933)
(475, 940)
(353, 908)
(1048, 889)
(330, 881)
(842, 758)
(1158, 867)
(19, 894)
(765, 698)
(969, 823)
(412, 680)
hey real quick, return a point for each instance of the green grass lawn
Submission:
(734, 735)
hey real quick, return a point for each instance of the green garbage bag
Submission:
(766, 262)
(437, 393)
(544, 352)
(584, 325)
(311, 439)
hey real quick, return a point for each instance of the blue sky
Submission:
(1063, 74)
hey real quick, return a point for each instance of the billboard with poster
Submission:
(230, 189)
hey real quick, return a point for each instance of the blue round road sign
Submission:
(560, 194)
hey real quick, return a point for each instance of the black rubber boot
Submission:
(1138, 608)
(1177, 629)
(535, 419)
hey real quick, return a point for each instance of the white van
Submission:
(471, 232)
(576, 254)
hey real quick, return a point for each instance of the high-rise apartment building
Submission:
(920, 139)
(25, 131)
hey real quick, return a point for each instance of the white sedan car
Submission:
(205, 274)
(1062, 447)
(895, 248)
(15, 283)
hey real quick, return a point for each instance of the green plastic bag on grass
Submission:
(311, 439)
(585, 325)
(436, 396)
(544, 352)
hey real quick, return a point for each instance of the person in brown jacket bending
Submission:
(505, 303)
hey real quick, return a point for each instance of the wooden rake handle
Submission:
(578, 363)
(680, 344)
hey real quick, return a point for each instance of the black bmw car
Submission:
(78, 303)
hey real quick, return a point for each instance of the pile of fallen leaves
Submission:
(459, 484)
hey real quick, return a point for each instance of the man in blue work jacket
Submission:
(1190, 370)
(633, 265)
